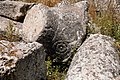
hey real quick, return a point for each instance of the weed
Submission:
(54, 72)
(105, 22)
(10, 34)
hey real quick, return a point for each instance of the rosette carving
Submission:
(62, 50)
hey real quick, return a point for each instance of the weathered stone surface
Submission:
(4, 23)
(21, 61)
(96, 59)
(34, 23)
(59, 28)
(14, 9)
(70, 22)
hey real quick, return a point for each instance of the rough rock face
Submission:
(96, 59)
(14, 10)
(21, 61)
(4, 23)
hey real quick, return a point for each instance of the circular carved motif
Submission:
(62, 50)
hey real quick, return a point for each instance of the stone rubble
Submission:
(26, 61)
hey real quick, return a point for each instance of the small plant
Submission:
(54, 72)
(105, 22)
(10, 34)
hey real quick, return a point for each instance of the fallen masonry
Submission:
(21, 61)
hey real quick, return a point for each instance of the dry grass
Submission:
(49, 3)
(9, 34)
(107, 22)
(92, 9)
(54, 72)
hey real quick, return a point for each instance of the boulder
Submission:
(34, 23)
(59, 29)
(5, 23)
(70, 23)
(14, 10)
(37, 26)
(96, 59)
(22, 61)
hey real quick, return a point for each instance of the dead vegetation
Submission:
(9, 34)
